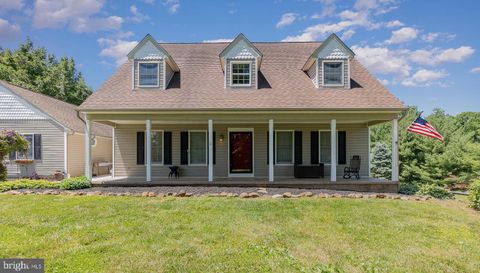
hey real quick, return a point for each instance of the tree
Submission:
(381, 161)
(36, 70)
(10, 141)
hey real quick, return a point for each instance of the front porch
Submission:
(243, 149)
(365, 184)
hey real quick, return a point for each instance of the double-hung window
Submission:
(28, 153)
(240, 73)
(148, 74)
(325, 147)
(332, 73)
(197, 147)
(157, 147)
(284, 147)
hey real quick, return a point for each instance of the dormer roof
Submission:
(241, 48)
(149, 49)
(332, 48)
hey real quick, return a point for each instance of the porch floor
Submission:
(365, 184)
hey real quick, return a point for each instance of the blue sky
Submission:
(426, 52)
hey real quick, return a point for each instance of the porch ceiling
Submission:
(369, 118)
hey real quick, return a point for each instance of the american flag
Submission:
(422, 127)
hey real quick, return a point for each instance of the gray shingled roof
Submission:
(282, 84)
(62, 112)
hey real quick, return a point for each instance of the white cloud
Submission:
(7, 5)
(116, 49)
(438, 56)
(78, 15)
(430, 37)
(475, 70)
(287, 19)
(221, 40)
(137, 15)
(347, 34)
(82, 24)
(424, 77)
(328, 9)
(381, 60)
(403, 35)
(8, 31)
(384, 81)
(394, 23)
(349, 19)
(172, 5)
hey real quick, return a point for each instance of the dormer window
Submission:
(333, 73)
(148, 74)
(241, 72)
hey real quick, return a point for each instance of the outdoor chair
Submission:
(353, 169)
(174, 172)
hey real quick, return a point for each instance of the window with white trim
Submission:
(157, 147)
(28, 153)
(240, 74)
(325, 147)
(148, 74)
(197, 148)
(284, 147)
(332, 73)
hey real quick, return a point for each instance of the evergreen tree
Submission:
(381, 163)
(36, 70)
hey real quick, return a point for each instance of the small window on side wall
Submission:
(332, 73)
(148, 74)
(240, 74)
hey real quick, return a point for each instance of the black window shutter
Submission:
(184, 148)
(298, 147)
(214, 149)
(37, 145)
(268, 148)
(314, 147)
(140, 148)
(342, 147)
(167, 138)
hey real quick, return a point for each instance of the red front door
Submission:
(241, 152)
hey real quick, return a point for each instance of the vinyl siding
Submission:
(312, 74)
(101, 152)
(125, 149)
(52, 146)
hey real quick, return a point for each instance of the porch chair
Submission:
(353, 169)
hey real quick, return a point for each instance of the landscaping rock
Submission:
(262, 190)
(307, 194)
(253, 195)
(189, 194)
(243, 195)
(152, 194)
(144, 194)
(181, 193)
(277, 196)
(336, 195)
(287, 195)
(381, 195)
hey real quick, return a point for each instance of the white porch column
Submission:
(270, 150)
(148, 152)
(395, 167)
(88, 149)
(113, 152)
(333, 165)
(210, 150)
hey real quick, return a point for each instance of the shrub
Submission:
(434, 191)
(75, 183)
(408, 188)
(28, 184)
(474, 194)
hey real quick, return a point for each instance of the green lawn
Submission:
(200, 234)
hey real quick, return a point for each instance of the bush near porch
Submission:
(208, 234)
(73, 183)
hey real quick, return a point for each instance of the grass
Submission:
(135, 234)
